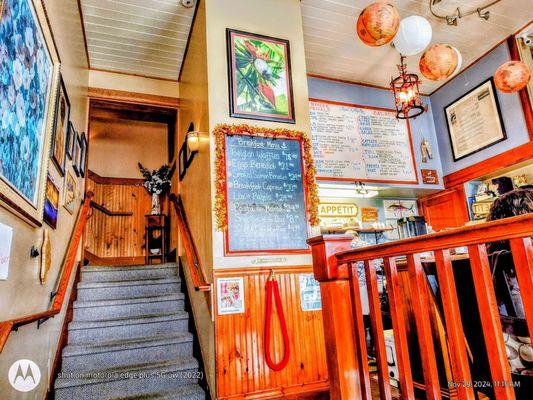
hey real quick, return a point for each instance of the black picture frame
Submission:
(61, 94)
(70, 139)
(189, 156)
(83, 154)
(262, 116)
(76, 154)
(500, 119)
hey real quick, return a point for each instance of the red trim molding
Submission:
(523, 94)
(503, 160)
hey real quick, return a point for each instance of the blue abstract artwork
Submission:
(26, 71)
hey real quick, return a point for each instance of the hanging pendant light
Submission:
(440, 61)
(406, 93)
(378, 23)
(512, 76)
(413, 36)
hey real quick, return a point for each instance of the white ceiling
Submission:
(140, 37)
(333, 49)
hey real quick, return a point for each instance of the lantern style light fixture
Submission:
(406, 93)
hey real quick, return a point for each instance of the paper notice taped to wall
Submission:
(6, 236)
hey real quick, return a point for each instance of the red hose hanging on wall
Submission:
(272, 288)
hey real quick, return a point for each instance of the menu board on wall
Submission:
(265, 195)
(356, 143)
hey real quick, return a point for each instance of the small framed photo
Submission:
(259, 75)
(83, 155)
(230, 292)
(474, 121)
(51, 203)
(71, 135)
(76, 154)
(70, 188)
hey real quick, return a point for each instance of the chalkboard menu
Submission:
(265, 195)
(360, 143)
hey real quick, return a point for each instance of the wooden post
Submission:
(339, 326)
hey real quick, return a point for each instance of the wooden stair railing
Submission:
(335, 267)
(58, 296)
(191, 253)
(108, 212)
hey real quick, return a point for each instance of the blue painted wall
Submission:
(325, 89)
(511, 108)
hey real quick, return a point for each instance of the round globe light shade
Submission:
(413, 36)
(512, 76)
(459, 62)
(377, 24)
(439, 62)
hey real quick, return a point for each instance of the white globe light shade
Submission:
(459, 62)
(413, 36)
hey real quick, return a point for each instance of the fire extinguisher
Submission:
(272, 289)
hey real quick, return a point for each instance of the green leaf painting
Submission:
(259, 76)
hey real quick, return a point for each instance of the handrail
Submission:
(59, 295)
(492, 231)
(191, 253)
(337, 267)
(108, 212)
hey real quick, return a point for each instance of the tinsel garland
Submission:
(220, 132)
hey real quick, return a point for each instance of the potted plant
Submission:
(156, 182)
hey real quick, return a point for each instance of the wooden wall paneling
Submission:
(117, 239)
(241, 367)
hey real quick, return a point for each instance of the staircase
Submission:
(129, 338)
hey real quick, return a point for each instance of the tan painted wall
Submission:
(22, 293)
(278, 18)
(131, 83)
(118, 145)
(195, 189)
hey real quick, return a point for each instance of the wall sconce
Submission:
(193, 141)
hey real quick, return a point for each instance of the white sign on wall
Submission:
(6, 236)
(352, 142)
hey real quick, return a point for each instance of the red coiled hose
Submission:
(272, 288)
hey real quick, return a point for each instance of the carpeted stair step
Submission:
(141, 272)
(127, 289)
(99, 331)
(188, 392)
(133, 307)
(120, 353)
(137, 380)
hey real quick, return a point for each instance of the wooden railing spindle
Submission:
(398, 326)
(454, 327)
(360, 334)
(419, 290)
(522, 250)
(376, 323)
(490, 322)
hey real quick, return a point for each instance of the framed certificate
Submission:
(474, 121)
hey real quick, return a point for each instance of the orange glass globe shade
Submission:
(439, 62)
(378, 24)
(512, 76)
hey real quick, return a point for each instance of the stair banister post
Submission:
(339, 326)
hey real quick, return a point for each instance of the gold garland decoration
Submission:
(220, 132)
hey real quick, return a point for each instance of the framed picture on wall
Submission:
(474, 121)
(71, 135)
(28, 101)
(259, 75)
(83, 154)
(61, 127)
(76, 154)
(51, 203)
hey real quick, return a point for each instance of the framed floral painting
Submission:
(29, 66)
(260, 84)
(61, 128)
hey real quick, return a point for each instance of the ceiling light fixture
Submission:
(406, 93)
(482, 12)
